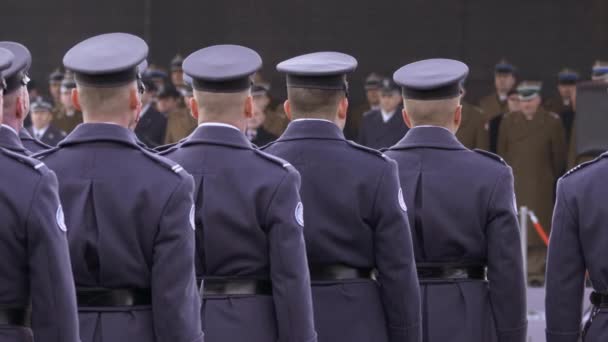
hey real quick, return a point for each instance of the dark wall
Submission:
(539, 36)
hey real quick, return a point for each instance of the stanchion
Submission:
(523, 224)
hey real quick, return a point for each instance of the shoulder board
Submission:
(165, 162)
(42, 154)
(490, 155)
(585, 164)
(272, 158)
(31, 162)
(367, 149)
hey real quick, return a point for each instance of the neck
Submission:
(12, 121)
(452, 128)
(120, 120)
(240, 124)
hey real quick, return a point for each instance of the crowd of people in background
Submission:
(534, 135)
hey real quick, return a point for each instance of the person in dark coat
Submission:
(356, 222)
(373, 84)
(256, 132)
(513, 105)
(152, 124)
(131, 237)
(35, 272)
(42, 128)
(251, 256)
(383, 127)
(563, 104)
(495, 103)
(16, 98)
(463, 216)
(576, 247)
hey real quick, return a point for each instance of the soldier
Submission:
(473, 132)
(177, 73)
(179, 121)
(69, 117)
(43, 130)
(373, 84)
(131, 242)
(361, 232)
(578, 241)
(504, 79)
(513, 105)
(533, 142)
(383, 127)
(35, 274)
(55, 79)
(250, 249)
(256, 132)
(16, 98)
(152, 124)
(462, 213)
(563, 105)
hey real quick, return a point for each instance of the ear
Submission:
(249, 107)
(343, 108)
(134, 102)
(287, 108)
(20, 108)
(76, 99)
(406, 118)
(194, 108)
(458, 116)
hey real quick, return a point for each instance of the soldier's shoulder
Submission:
(275, 161)
(45, 153)
(490, 156)
(165, 163)
(28, 163)
(587, 166)
(367, 151)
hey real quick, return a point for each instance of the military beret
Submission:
(6, 59)
(432, 79)
(107, 60)
(529, 90)
(567, 76)
(319, 70)
(504, 67)
(222, 68)
(373, 81)
(176, 63)
(40, 105)
(56, 76)
(16, 75)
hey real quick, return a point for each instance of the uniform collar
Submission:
(429, 136)
(214, 133)
(25, 135)
(10, 140)
(96, 132)
(312, 129)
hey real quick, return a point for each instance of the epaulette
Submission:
(31, 162)
(490, 155)
(165, 162)
(276, 160)
(42, 154)
(583, 165)
(367, 149)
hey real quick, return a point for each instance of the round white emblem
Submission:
(192, 223)
(299, 214)
(402, 201)
(60, 218)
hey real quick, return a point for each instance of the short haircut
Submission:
(220, 105)
(315, 103)
(102, 100)
(432, 112)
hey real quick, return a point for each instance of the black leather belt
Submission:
(236, 287)
(102, 297)
(441, 272)
(599, 300)
(339, 272)
(15, 316)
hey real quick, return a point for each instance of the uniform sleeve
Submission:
(54, 310)
(175, 297)
(502, 146)
(558, 148)
(289, 265)
(565, 274)
(505, 265)
(395, 261)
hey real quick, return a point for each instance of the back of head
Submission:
(16, 98)
(221, 107)
(432, 112)
(314, 103)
